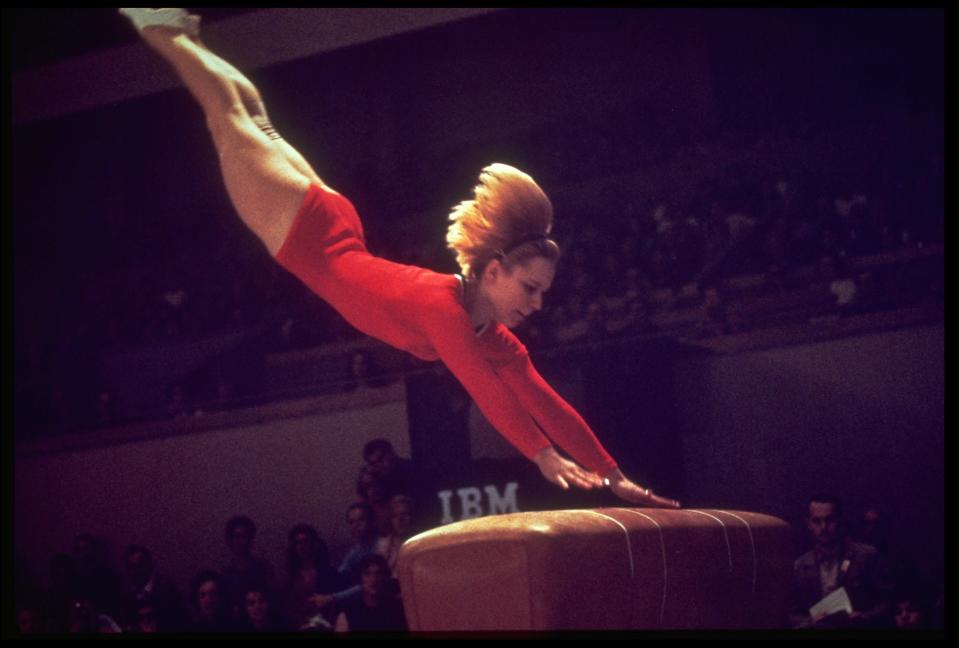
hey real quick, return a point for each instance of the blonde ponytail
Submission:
(508, 207)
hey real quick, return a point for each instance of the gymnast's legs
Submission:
(265, 177)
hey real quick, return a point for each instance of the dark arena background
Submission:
(749, 308)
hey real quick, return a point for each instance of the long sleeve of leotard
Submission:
(558, 418)
(451, 335)
(412, 309)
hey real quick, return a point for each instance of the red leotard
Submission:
(421, 312)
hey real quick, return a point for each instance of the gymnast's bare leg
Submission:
(265, 177)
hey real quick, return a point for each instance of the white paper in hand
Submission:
(838, 601)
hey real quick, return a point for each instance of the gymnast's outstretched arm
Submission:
(265, 177)
(567, 428)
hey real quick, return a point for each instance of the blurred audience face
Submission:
(360, 523)
(208, 598)
(381, 461)
(373, 580)
(240, 542)
(147, 619)
(401, 516)
(303, 546)
(823, 523)
(376, 492)
(372, 489)
(29, 621)
(257, 608)
(872, 527)
(139, 569)
(908, 616)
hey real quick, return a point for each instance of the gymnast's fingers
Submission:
(654, 500)
(578, 480)
(664, 502)
(631, 492)
(585, 479)
(595, 479)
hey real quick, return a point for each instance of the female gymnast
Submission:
(501, 240)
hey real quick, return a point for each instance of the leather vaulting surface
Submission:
(608, 568)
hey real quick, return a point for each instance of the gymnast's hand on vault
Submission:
(627, 490)
(564, 472)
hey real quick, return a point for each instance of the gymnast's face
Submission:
(517, 292)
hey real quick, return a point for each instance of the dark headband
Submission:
(529, 238)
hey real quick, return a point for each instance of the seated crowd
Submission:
(83, 594)
(880, 585)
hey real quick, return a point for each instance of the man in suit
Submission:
(834, 562)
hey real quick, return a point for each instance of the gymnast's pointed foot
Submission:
(176, 19)
(627, 490)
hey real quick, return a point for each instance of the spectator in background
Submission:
(846, 291)
(738, 225)
(573, 327)
(833, 275)
(62, 591)
(638, 304)
(362, 522)
(837, 562)
(85, 619)
(639, 318)
(105, 414)
(223, 389)
(401, 518)
(258, 612)
(612, 289)
(595, 322)
(852, 217)
(178, 402)
(145, 618)
(359, 371)
(911, 611)
(557, 318)
(534, 335)
(377, 609)
(211, 608)
(618, 319)
(372, 488)
(244, 569)
(396, 472)
(143, 582)
(364, 371)
(82, 617)
(712, 320)
(778, 252)
(70, 608)
(309, 577)
(888, 238)
(95, 579)
(30, 618)
(29, 598)
(784, 201)
(873, 530)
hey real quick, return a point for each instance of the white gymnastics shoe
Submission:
(179, 19)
